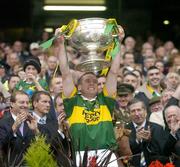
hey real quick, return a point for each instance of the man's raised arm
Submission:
(111, 80)
(67, 79)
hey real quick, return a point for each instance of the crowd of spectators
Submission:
(147, 100)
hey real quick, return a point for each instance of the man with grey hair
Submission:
(172, 146)
(172, 80)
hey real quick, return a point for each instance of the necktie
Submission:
(142, 160)
(21, 128)
(42, 121)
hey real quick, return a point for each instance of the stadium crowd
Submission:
(132, 112)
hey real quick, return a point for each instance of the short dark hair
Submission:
(56, 97)
(11, 76)
(51, 79)
(82, 76)
(138, 72)
(149, 57)
(36, 96)
(129, 73)
(152, 68)
(124, 55)
(134, 101)
(15, 93)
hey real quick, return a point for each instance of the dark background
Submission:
(25, 19)
(15, 13)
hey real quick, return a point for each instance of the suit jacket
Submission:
(172, 146)
(60, 145)
(16, 144)
(152, 149)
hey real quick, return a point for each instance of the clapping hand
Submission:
(143, 134)
(63, 125)
(21, 117)
(175, 125)
(32, 123)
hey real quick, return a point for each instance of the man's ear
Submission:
(79, 87)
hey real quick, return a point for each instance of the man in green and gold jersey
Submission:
(89, 113)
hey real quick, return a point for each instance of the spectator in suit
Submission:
(58, 104)
(41, 102)
(17, 129)
(51, 67)
(172, 146)
(61, 116)
(51, 128)
(55, 88)
(21, 53)
(148, 61)
(146, 139)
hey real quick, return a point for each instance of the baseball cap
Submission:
(34, 45)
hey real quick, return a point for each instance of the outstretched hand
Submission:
(61, 121)
(175, 125)
(58, 35)
(32, 123)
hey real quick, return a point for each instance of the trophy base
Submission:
(94, 65)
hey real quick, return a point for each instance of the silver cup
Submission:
(91, 41)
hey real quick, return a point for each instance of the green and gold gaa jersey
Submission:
(91, 122)
(30, 88)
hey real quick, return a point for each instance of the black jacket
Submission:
(15, 144)
(152, 149)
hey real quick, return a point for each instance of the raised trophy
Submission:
(92, 37)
